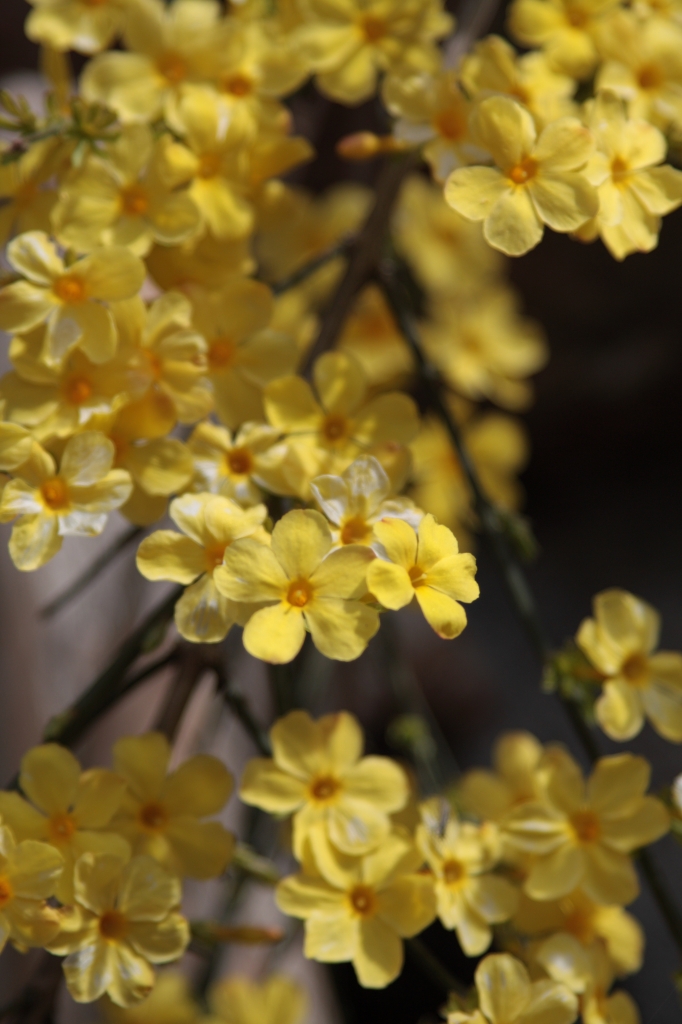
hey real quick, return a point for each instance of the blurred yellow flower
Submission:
(24, 187)
(565, 29)
(506, 995)
(86, 26)
(170, 1002)
(29, 875)
(372, 337)
(276, 1000)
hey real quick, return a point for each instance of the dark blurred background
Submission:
(604, 496)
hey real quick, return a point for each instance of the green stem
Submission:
(303, 273)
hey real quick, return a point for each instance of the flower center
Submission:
(113, 925)
(650, 77)
(636, 670)
(61, 827)
(416, 574)
(577, 17)
(55, 493)
(77, 390)
(299, 593)
(221, 353)
(453, 872)
(619, 169)
(214, 556)
(524, 171)
(355, 531)
(579, 924)
(451, 124)
(70, 288)
(135, 200)
(586, 826)
(6, 891)
(153, 817)
(172, 66)
(324, 788)
(335, 427)
(363, 900)
(238, 84)
(209, 165)
(239, 461)
(374, 28)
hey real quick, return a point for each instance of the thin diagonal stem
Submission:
(240, 708)
(432, 967)
(308, 269)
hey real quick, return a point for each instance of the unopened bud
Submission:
(367, 145)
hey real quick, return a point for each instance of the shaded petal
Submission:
(203, 614)
(300, 896)
(35, 256)
(513, 226)
(610, 877)
(49, 777)
(619, 710)
(341, 629)
(147, 892)
(662, 698)
(617, 783)
(143, 762)
(550, 1003)
(203, 848)
(299, 744)
(408, 905)
(266, 786)
(290, 405)
(34, 869)
(132, 979)
(445, 616)
(87, 458)
(201, 786)
(504, 989)
(389, 583)
(399, 541)
(474, 191)
(557, 874)
(89, 971)
(160, 941)
(379, 957)
(112, 273)
(645, 824)
(34, 541)
(24, 821)
(565, 201)
(98, 797)
(23, 306)
(331, 939)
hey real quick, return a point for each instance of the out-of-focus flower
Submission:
(565, 29)
(29, 875)
(277, 1000)
(506, 995)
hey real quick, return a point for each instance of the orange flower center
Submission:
(239, 461)
(172, 67)
(6, 891)
(113, 925)
(355, 531)
(221, 353)
(135, 200)
(519, 92)
(324, 788)
(55, 493)
(451, 124)
(650, 77)
(214, 556)
(70, 288)
(209, 165)
(586, 826)
(453, 872)
(153, 817)
(373, 27)
(577, 17)
(636, 670)
(335, 427)
(619, 169)
(299, 593)
(579, 923)
(61, 827)
(416, 574)
(523, 172)
(363, 900)
(77, 390)
(238, 84)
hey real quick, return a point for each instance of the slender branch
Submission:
(308, 269)
(365, 255)
(474, 20)
(239, 706)
(192, 666)
(432, 967)
(668, 908)
(91, 573)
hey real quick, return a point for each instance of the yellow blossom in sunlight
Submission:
(65, 807)
(620, 641)
(432, 112)
(161, 812)
(318, 774)
(506, 995)
(238, 466)
(635, 188)
(120, 198)
(537, 180)
(304, 585)
(29, 875)
(125, 919)
(69, 299)
(486, 349)
(498, 447)
(244, 353)
(350, 42)
(582, 834)
(424, 565)
(69, 500)
(82, 25)
(372, 337)
(470, 897)
(168, 46)
(565, 29)
(209, 524)
(359, 909)
(326, 435)
(276, 1000)
(24, 188)
(494, 66)
(170, 1002)
(358, 499)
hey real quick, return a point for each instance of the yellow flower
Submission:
(359, 909)
(244, 353)
(470, 898)
(69, 299)
(485, 349)
(425, 565)
(634, 189)
(170, 1002)
(23, 187)
(65, 807)
(304, 585)
(620, 642)
(29, 875)
(125, 919)
(81, 25)
(318, 774)
(209, 524)
(350, 42)
(536, 181)
(327, 435)
(202, 263)
(432, 112)
(564, 28)
(70, 501)
(506, 995)
(161, 813)
(493, 66)
(120, 198)
(598, 1005)
(372, 337)
(582, 835)
(355, 502)
(277, 1000)
(236, 467)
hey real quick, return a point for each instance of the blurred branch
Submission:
(308, 269)
(473, 21)
(36, 1004)
(432, 967)
(240, 708)
(192, 666)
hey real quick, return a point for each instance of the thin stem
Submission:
(432, 967)
(91, 573)
(473, 21)
(308, 269)
(191, 668)
(240, 708)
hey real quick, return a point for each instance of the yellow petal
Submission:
(503, 986)
(474, 191)
(166, 555)
(304, 897)
(250, 572)
(34, 869)
(143, 762)
(300, 540)
(454, 576)
(550, 1002)
(340, 383)
(290, 405)
(380, 781)
(49, 777)
(131, 979)
(24, 821)
(563, 201)
(341, 629)
(299, 744)
(619, 710)
(331, 940)
(617, 783)
(34, 541)
(408, 905)
(23, 306)
(274, 634)
(513, 226)
(147, 892)
(393, 417)
(200, 786)
(343, 572)
(266, 786)
(112, 273)
(88, 971)
(379, 957)
(662, 698)
(557, 874)
(96, 881)
(399, 541)
(610, 877)
(97, 798)
(442, 613)
(203, 614)
(160, 941)
(390, 584)
(647, 822)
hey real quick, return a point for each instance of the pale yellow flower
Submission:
(86, 26)
(318, 774)
(372, 337)
(565, 29)
(29, 875)
(599, 1005)
(304, 585)
(24, 187)
(238, 466)
(162, 812)
(537, 180)
(277, 1000)
(203, 263)
(506, 995)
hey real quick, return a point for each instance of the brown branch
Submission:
(193, 665)
(473, 22)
